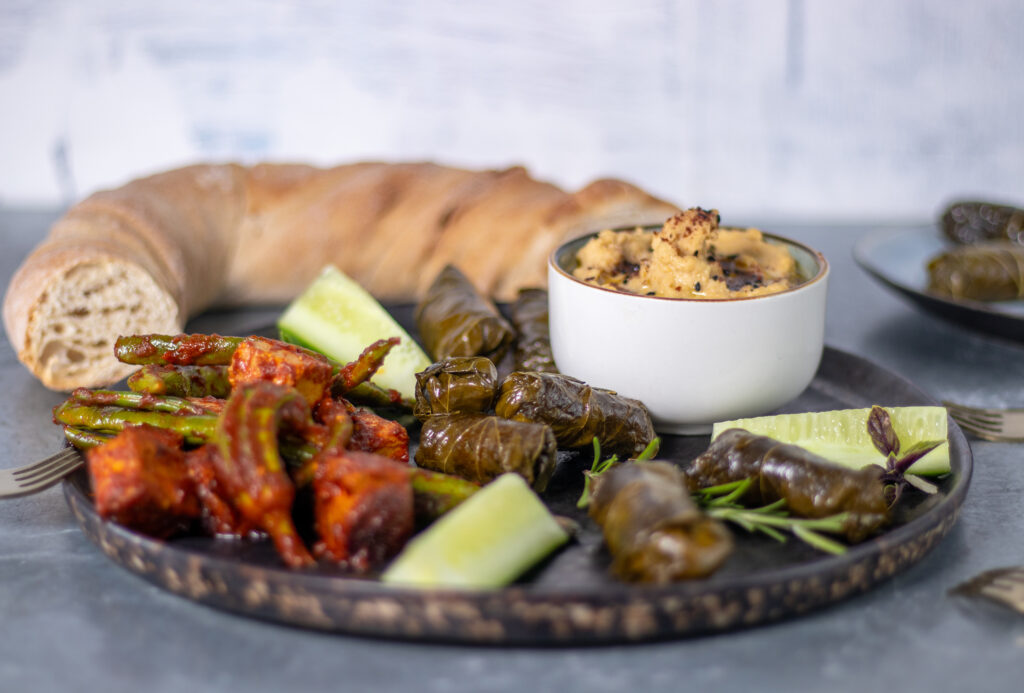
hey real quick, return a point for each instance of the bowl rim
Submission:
(823, 267)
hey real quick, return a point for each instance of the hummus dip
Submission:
(689, 257)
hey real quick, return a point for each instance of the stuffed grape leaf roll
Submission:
(461, 384)
(653, 529)
(576, 412)
(810, 485)
(480, 448)
(533, 341)
(454, 319)
(983, 272)
(971, 222)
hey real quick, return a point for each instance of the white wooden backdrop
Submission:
(806, 109)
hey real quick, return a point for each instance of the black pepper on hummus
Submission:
(689, 257)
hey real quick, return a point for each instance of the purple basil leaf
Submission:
(916, 452)
(883, 435)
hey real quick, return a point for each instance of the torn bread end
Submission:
(74, 324)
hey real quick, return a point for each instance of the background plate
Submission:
(898, 259)
(570, 599)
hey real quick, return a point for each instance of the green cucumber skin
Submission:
(292, 338)
(538, 536)
(296, 325)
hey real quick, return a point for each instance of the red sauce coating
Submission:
(364, 508)
(190, 348)
(258, 359)
(249, 467)
(373, 433)
(140, 480)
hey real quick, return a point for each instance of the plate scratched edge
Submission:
(523, 616)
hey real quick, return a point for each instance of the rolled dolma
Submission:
(461, 384)
(533, 343)
(480, 448)
(983, 272)
(810, 485)
(653, 529)
(971, 222)
(453, 319)
(576, 412)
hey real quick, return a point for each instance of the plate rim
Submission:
(985, 317)
(170, 567)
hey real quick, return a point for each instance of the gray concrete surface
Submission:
(72, 620)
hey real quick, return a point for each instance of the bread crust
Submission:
(225, 234)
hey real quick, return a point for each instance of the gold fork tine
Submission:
(56, 475)
(35, 477)
(973, 413)
(975, 426)
(980, 419)
(982, 422)
(988, 424)
(965, 422)
(991, 411)
(991, 433)
(1002, 585)
(45, 469)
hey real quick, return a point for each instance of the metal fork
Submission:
(39, 475)
(990, 424)
(1002, 585)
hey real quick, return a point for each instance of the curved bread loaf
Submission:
(147, 256)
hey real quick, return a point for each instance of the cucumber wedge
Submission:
(339, 318)
(487, 541)
(842, 437)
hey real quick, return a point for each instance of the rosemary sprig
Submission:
(766, 521)
(597, 468)
(724, 494)
(722, 502)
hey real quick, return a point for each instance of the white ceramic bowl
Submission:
(692, 362)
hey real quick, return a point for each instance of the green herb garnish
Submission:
(721, 502)
(597, 468)
(885, 440)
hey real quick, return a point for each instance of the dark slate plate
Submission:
(570, 599)
(898, 259)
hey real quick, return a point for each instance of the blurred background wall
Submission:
(796, 109)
